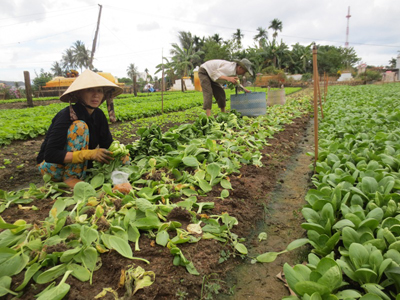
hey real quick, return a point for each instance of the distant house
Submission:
(391, 75)
(21, 84)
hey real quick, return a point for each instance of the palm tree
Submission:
(268, 53)
(300, 59)
(237, 36)
(281, 54)
(392, 63)
(168, 69)
(56, 68)
(185, 39)
(132, 73)
(182, 59)
(216, 38)
(276, 25)
(256, 58)
(148, 77)
(261, 36)
(68, 60)
(81, 55)
(198, 42)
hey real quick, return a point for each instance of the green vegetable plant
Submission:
(364, 264)
(353, 214)
(167, 171)
(320, 279)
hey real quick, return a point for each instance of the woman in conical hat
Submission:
(79, 133)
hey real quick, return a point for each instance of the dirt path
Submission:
(282, 225)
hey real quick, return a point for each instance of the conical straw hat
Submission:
(90, 79)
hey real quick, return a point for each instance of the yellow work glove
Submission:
(125, 159)
(101, 155)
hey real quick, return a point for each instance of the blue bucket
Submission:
(250, 104)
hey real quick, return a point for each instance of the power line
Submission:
(244, 30)
(175, 19)
(128, 47)
(362, 44)
(45, 37)
(49, 17)
(48, 12)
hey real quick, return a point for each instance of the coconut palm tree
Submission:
(168, 69)
(148, 76)
(68, 60)
(216, 38)
(183, 59)
(300, 59)
(237, 36)
(261, 36)
(198, 44)
(56, 68)
(256, 58)
(276, 25)
(185, 39)
(392, 63)
(81, 55)
(282, 55)
(132, 73)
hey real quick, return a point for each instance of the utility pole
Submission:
(347, 29)
(95, 39)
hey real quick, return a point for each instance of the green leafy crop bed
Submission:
(353, 214)
(21, 124)
(169, 174)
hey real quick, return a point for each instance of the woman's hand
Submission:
(101, 155)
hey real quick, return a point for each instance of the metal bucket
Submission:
(250, 104)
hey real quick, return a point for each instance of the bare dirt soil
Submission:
(265, 198)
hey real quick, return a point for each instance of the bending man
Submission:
(214, 72)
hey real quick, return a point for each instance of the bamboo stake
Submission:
(315, 71)
(162, 82)
(326, 86)
(319, 93)
(28, 89)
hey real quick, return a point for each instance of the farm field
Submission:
(247, 182)
(205, 254)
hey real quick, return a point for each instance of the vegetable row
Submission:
(353, 214)
(21, 124)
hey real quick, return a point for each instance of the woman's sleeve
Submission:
(106, 138)
(57, 139)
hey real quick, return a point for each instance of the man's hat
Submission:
(89, 79)
(245, 64)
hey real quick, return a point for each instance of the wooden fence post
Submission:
(319, 92)
(28, 89)
(326, 87)
(162, 82)
(315, 77)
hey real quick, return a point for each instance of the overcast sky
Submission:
(35, 33)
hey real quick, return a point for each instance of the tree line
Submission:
(268, 56)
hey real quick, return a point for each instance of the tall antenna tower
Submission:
(347, 29)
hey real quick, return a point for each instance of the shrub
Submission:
(371, 75)
(41, 79)
(306, 77)
(11, 92)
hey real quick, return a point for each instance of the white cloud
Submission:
(36, 32)
(148, 26)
